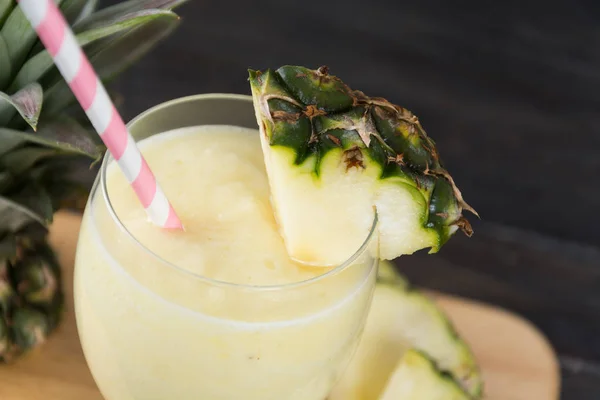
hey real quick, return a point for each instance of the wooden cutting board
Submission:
(517, 361)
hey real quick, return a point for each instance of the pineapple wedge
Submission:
(417, 378)
(334, 157)
(402, 318)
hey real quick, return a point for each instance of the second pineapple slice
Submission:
(403, 318)
(417, 378)
(334, 157)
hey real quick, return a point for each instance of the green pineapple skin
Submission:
(312, 113)
(467, 372)
(422, 379)
(31, 296)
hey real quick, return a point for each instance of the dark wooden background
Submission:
(509, 90)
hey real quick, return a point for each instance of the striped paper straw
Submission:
(75, 67)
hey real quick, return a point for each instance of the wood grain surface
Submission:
(516, 360)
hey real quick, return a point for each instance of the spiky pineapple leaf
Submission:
(9, 140)
(129, 47)
(69, 195)
(5, 67)
(62, 134)
(6, 7)
(90, 20)
(35, 198)
(77, 113)
(113, 55)
(40, 64)
(67, 135)
(27, 102)
(62, 182)
(112, 26)
(119, 10)
(14, 216)
(88, 9)
(18, 35)
(21, 160)
(72, 9)
(6, 179)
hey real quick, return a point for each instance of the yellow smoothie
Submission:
(219, 311)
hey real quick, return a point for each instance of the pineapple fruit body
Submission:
(335, 157)
(30, 291)
(43, 136)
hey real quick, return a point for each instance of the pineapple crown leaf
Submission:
(6, 7)
(16, 25)
(144, 21)
(88, 9)
(17, 39)
(21, 160)
(19, 36)
(9, 140)
(90, 18)
(61, 135)
(73, 10)
(27, 102)
(114, 54)
(39, 65)
(5, 65)
(36, 199)
(14, 216)
(68, 136)
(6, 179)
(117, 11)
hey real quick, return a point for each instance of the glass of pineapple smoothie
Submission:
(219, 311)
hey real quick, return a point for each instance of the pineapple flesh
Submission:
(43, 137)
(402, 318)
(335, 157)
(417, 378)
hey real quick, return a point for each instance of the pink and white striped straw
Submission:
(56, 35)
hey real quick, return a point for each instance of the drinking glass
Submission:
(151, 330)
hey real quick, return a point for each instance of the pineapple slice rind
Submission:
(417, 378)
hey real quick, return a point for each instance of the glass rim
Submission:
(107, 159)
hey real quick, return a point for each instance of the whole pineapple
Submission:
(43, 136)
